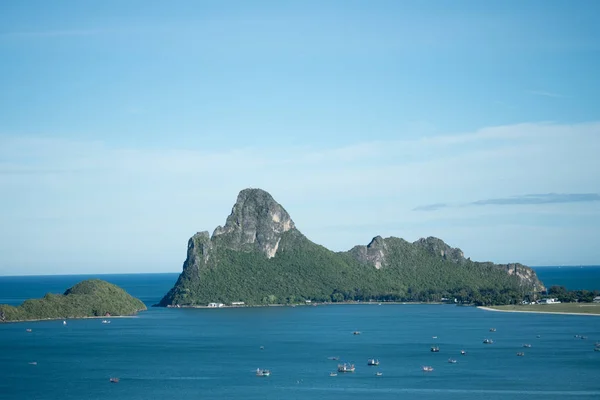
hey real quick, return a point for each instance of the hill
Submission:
(259, 257)
(89, 298)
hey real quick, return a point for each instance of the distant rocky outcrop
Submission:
(89, 298)
(259, 257)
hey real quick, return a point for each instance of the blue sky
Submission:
(125, 127)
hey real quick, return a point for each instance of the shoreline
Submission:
(71, 318)
(537, 312)
(375, 303)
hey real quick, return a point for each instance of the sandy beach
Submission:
(536, 312)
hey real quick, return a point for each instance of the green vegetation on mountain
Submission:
(90, 298)
(259, 257)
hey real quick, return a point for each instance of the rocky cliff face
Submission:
(256, 221)
(373, 253)
(438, 248)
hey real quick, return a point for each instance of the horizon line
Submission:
(174, 272)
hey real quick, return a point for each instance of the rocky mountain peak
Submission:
(439, 248)
(373, 253)
(256, 220)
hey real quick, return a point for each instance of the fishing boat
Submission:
(333, 374)
(520, 354)
(527, 345)
(105, 321)
(426, 368)
(356, 333)
(114, 380)
(262, 372)
(28, 330)
(373, 362)
(346, 367)
(463, 353)
(452, 361)
(488, 341)
(378, 373)
(492, 329)
(435, 349)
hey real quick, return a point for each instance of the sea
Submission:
(214, 353)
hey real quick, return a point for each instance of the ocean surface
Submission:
(573, 278)
(213, 353)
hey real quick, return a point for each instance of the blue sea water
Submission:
(213, 353)
(571, 277)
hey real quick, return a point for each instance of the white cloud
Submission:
(88, 206)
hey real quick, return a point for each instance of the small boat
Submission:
(334, 358)
(596, 348)
(64, 322)
(488, 341)
(435, 349)
(28, 330)
(520, 354)
(527, 345)
(373, 362)
(262, 372)
(492, 329)
(538, 336)
(114, 380)
(452, 361)
(434, 337)
(346, 367)
(463, 353)
(584, 337)
(333, 374)
(105, 321)
(262, 347)
(426, 368)
(576, 336)
(378, 373)
(33, 363)
(356, 333)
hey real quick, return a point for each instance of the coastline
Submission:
(537, 312)
(315, 304)
(70, 318)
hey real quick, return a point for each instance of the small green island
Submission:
(87, 299)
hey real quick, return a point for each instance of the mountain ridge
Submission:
(259, 256)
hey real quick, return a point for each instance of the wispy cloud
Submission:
(146, 201)
(541, 199)
(544, 93)
(527, 199)
(431, 207)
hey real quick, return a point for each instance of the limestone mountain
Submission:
(259, 257)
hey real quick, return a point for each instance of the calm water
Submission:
(202, 353)
(573, 278)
